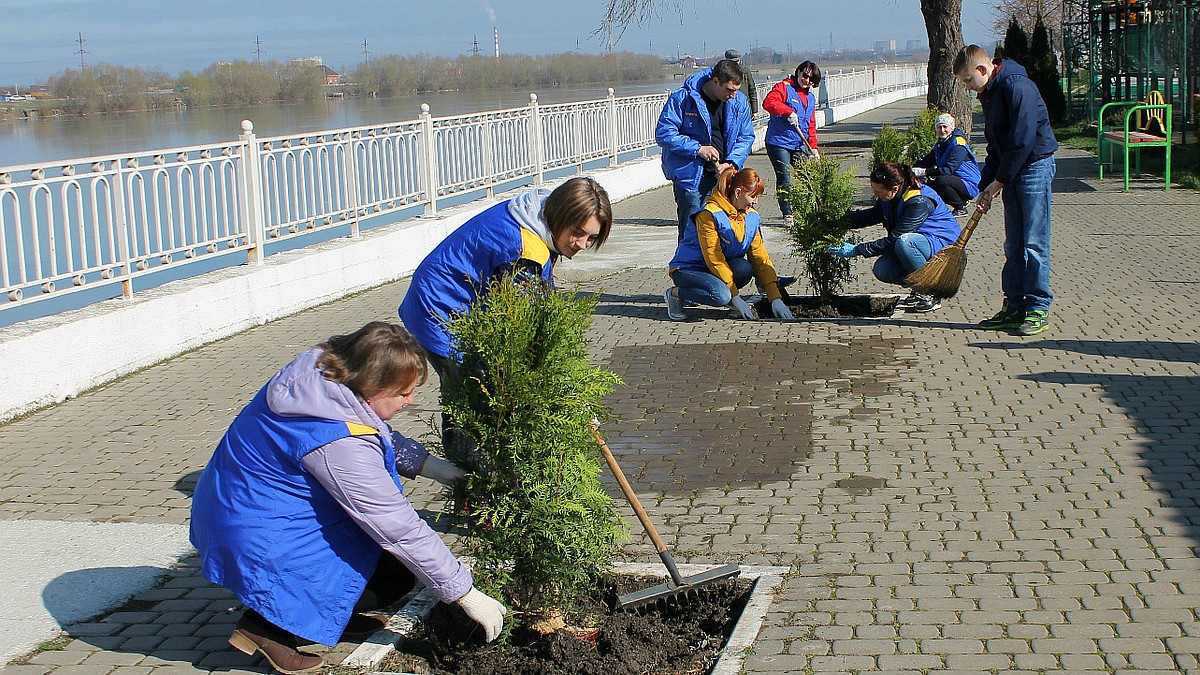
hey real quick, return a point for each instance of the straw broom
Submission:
(943, 274)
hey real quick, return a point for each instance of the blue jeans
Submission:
(783, 160)
(707, 289)
(1025, 278)
(688, 201)
(910, 252)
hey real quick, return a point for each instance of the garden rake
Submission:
(943, 274)
(679, 585)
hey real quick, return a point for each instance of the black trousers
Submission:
(951, 189)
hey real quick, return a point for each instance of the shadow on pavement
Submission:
(82, 594)
(187, 484)
(1165, 409)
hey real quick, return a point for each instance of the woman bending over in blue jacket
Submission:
(301, 512)
(918, 225)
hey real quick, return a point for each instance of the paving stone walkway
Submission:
(949, 499)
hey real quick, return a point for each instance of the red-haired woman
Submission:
(722, 249)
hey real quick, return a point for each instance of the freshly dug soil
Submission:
(838, 307)
(683, 638)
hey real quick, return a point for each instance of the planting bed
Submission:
(838, 307)
(680, 637)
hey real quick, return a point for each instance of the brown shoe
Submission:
(277, 646)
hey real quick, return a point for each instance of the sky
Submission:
(41, 36)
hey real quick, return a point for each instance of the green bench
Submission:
(1153, 132)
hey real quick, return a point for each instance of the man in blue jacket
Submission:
(1020, 161)
(705, 126)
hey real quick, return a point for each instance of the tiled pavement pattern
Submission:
(950, 499)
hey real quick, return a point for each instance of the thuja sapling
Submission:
(543, 530)
(820, 194)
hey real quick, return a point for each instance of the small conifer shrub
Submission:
(921, 136)
(888, 146)
(820, 194)
(543, 528)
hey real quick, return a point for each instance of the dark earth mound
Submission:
(837, 307)
(685, 636)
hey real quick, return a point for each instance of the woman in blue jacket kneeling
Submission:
(301, 512)
(722, 250)
(950, 167)
(918, 225)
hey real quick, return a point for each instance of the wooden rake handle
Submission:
(663, 554)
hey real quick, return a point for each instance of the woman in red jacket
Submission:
(792, 103)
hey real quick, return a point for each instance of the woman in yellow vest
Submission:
(722, 250)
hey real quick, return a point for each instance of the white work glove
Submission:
(742, 307)
(793, 119)
(484, 610)
(441, 470)
(780, 309)
(816, 154)
(918, 171)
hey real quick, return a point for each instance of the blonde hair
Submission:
(747, 179)
(969, 57)
(375, 359)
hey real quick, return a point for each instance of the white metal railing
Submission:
(109, 220)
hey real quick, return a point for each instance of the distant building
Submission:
(914, 46)
(885, 46)
(332, 77)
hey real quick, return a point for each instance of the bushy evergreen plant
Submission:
(1043, 70)
(888, 146)
(1016, 42)
(820, 194)
(921, 136)
(543, 528)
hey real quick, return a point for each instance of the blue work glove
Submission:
(844, 250)
(743, 308)
(780, 309)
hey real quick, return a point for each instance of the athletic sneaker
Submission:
(1007, 317)
(961, 211)
(924, 303)
(674, 306)
(905, 303)
(1035, 322)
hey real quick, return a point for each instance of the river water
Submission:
(53, 139)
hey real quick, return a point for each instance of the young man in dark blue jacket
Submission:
(1020, 161)
(704, 128)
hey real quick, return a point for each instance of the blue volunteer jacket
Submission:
(782, 134)
(684, 126)
(1015, 123)
(952, 156)
(688, 254)
(939, 227)
(451, 277)
(255, 493)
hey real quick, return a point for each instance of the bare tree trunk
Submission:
(943, 23)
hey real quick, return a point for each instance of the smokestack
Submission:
(496, 34)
